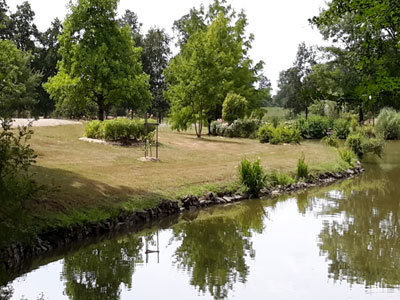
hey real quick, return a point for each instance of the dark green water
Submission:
(336, 242)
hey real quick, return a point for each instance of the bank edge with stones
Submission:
(16, 254)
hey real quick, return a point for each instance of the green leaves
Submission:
(99, 61)
(213, 62)
(17, 81)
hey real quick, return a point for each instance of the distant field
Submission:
(273, 112)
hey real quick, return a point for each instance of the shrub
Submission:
(367, 131)
(347, 156)
(331, 140)
(316, 127)
(252, 176)
(388, 124)
(354, 142)
(118, 129)
(257, 114)
(234, 107)
(373, 146)
(362, 145)
(16, 156)
(276, 178)
(341, 128)
(281, 134)
(265, 132)
(245, 128)
(94, 130)
(302, 168)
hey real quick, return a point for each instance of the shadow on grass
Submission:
(68, 198)
(70, 190)
(213, 139)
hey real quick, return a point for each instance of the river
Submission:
(335, 242)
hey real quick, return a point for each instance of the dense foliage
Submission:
(16, 156)
(361, 144)
(283, 133)
(234, 107)
(18, 82)
(99, 61)
(315, 127)
(118, 129)
(213, 62)
(388, 124)
(244, 128)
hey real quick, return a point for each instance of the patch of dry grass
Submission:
(88, 175)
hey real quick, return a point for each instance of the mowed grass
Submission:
(82, 175)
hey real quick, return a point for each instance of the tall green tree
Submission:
(212, 63)
(4, 20)
(155, 58)
(46, 62)
(24, 32)
(18, 82)
(99, 61)
(131, 20)
(369, 31)
(296, 85)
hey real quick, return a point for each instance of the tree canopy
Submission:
(99, 61)
(18, 81)
(367, 32)
(213, 62)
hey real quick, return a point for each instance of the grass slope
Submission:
(89, 182)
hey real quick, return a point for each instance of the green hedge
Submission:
(118, 129)
(284, 133)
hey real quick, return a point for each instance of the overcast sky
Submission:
(278, 25)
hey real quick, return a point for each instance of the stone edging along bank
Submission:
(16, 254)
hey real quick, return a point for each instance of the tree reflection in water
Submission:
(97, 271)
(363, 242)
(215, 244)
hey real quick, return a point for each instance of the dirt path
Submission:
(43, 122)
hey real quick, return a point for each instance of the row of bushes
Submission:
(243, 128)
(118, 129)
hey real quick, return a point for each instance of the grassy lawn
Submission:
(88, 182)
(82, 174)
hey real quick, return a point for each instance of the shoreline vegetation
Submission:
(94, 188)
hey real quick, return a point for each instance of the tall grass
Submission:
(302, 168)
(252, 176)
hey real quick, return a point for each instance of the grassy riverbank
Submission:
(89, 182)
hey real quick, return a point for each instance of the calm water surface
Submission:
(336, 242)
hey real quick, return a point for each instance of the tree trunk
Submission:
(360, 114)
(306, 113)
(200, 125)
(209, 126)
(100, 104)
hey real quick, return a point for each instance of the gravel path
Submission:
(43, 122)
